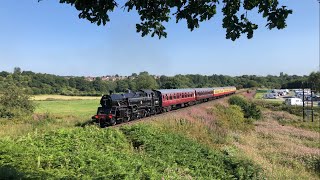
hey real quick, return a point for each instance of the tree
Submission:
(122, 86)
(314, 80)
(17, 70)
(168, 83)
(134, 74)
(4, 73)
(145, 81)
(153, 13)
(98, 85)
(15, 103)
(251, 84)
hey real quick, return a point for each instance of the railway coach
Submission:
(223, 91)
(204, 94)
(176, 98)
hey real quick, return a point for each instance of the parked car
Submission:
(293, 101)
(271, 96)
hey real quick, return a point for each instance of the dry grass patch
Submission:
(61, 97)
(283, 151)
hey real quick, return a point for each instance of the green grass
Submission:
(259, 95)
(136, 152)
(50, 115)
(78, 108)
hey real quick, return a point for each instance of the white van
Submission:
(293, 101)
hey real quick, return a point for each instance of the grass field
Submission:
(259, 96)
(51, 115)
(77, 108)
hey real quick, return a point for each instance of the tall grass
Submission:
(295, 119)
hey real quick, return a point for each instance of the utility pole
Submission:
(312, 92)
(303, 101)
(311, 105)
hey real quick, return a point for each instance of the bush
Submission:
(239, 101)
(14, 103)
(249, 109)
(232, 118)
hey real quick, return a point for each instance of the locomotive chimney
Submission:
(110, 92)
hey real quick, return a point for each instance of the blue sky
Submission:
(49, 37)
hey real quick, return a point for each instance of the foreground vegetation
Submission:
(207, 141)
(136, 152)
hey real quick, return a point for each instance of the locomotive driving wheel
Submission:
(126, 119)
(113, 122)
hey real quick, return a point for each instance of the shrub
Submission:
(239, 101)
(14, 102)
(249, 109)
(232, 118)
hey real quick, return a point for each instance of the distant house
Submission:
(90, 78)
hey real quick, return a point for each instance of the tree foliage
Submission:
(155, 13)
(14, 102)
(145, 81)
(314, 80)
(37, 83)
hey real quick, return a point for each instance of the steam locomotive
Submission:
(118, 108)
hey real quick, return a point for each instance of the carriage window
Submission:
(170, 97)
(174, 97)
(167, 97)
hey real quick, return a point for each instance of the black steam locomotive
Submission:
(118, 108)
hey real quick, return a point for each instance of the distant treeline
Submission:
(38, 83)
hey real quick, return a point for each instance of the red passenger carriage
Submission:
(175, 98)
